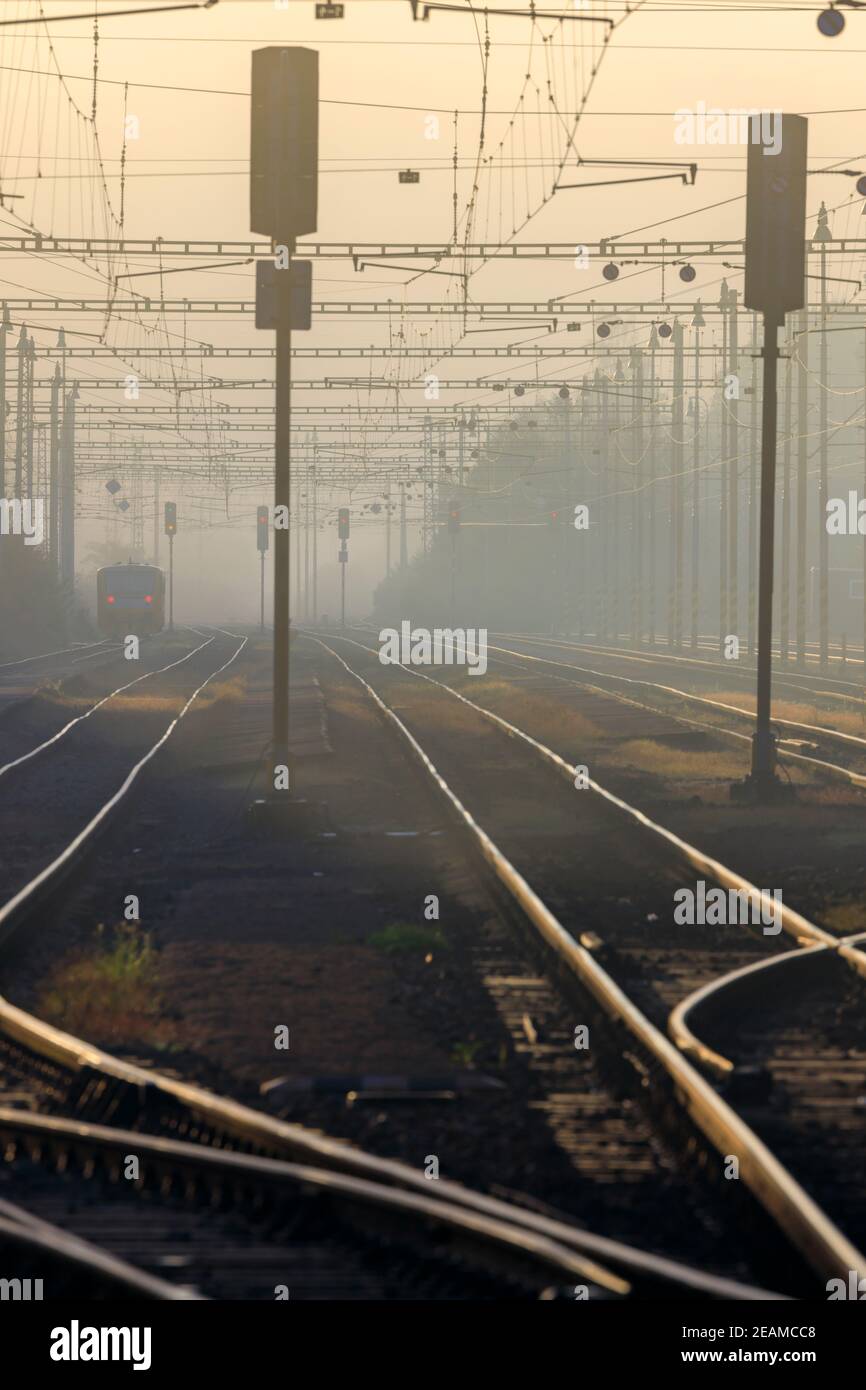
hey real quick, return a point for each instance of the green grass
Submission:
(463, 1054)
(108, 991)
(404, 938)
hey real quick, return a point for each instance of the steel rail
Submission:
(254, 1127)
(692, 696)
(44, 656)
(809, 1228)
(678, 1022)
(797, 926)
(19, 1230)
(49, 742)
(794, 923)
(835, 769)
(222, 1163)
(649, 657)
(12, 912)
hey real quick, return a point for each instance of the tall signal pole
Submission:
(775, 270)
(284, 157)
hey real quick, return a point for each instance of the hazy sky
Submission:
(381, 77)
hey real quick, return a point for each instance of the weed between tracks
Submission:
(108, 992)
(847, 721)
(400, 938)
(549, 717)
(677, 764)
(145, 703)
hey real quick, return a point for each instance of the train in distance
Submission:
(130, 599)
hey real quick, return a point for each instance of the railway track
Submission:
(197, 1214)
(826, 743)
(22, 678)
(642, 974)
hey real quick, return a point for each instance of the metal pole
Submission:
(262, 593)
(156, 516)
(171, 583)
(617, 510)
(282, 499)
(67, 505)
(343, 564)
(824, 600)
(604, 472)
(724, 474)
(676, 610)
(696, 497)
(30, 366)
(637, 502)
(307, 556)
(53, 465)
(802, 478)
(315, 535)
(297, 516)
(4, 330)
(753, 489)
(19, 412)
(785, 603)
(733, 471)
(651, 482)
(763, 745)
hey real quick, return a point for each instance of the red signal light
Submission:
(110, 598)
(148, 598)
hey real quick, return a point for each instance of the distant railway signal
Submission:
(262, 529)
(171, 518)
(343, 524)
(408, 176)
(329, 9)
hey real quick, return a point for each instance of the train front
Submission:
(130, 599)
